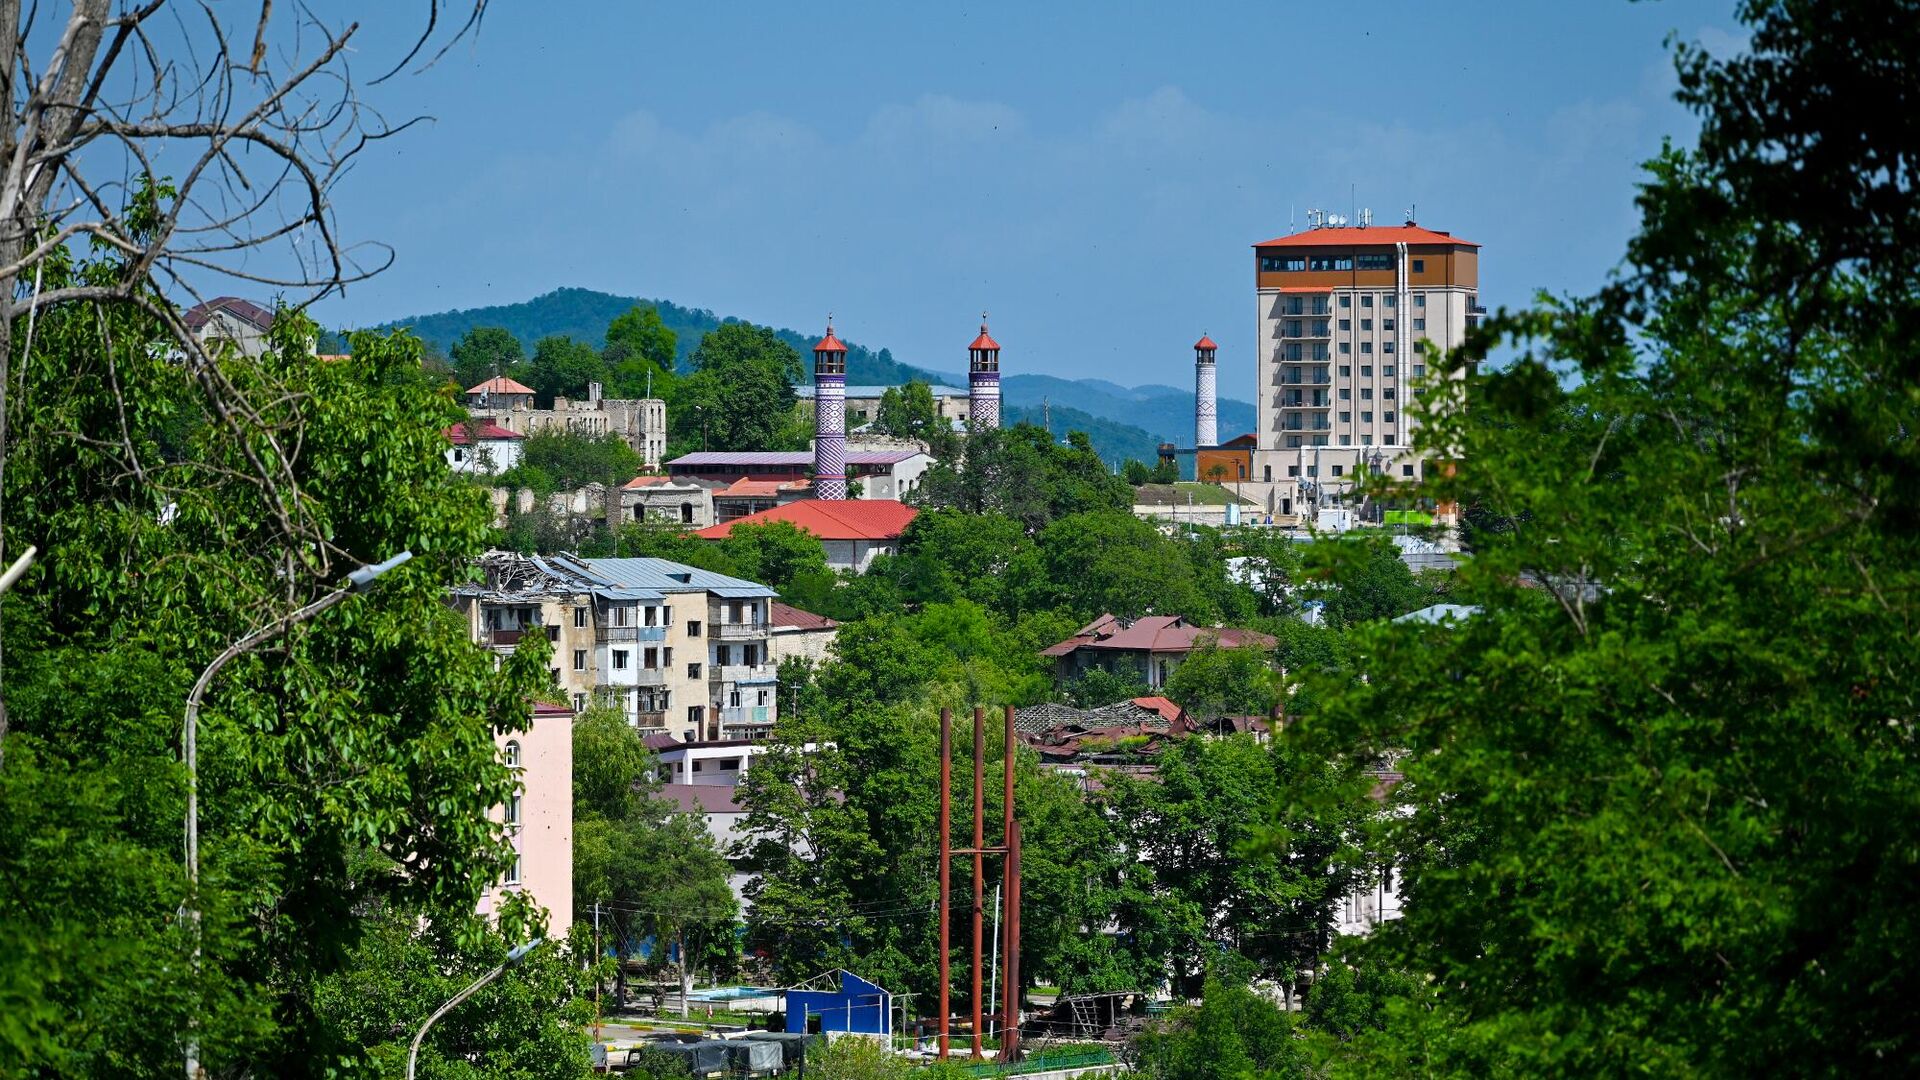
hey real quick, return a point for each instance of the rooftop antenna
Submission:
(1353, 199)
(1411, 208)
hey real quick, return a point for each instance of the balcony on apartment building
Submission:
(748, 674)
(738, 631)
(1304, 328)
(746, 716)
(631, 675)
(630, 633)
(1299, 306)
(507, 639)
(646, 719)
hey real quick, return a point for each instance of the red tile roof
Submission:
(785, 615)
(543, 708)
(829, 343)
(1205, 342)
(647, 481)
(747, 487)
(984, 341)
(500, 384)
(1367, 237)
(486, 430)
(246, 311)
(1155, 634)
(830, 519)
(1164, 706)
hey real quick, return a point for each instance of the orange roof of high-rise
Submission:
(1373, 234)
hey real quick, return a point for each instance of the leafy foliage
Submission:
(554, 460)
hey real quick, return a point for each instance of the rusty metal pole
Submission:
(1010, 1003)
(1010, 1049)
(979, 861)
(946, 867)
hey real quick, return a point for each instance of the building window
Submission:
(580, 616)
(1271, 264)
(1346, 394)
(1366, 300)
(1419, 324)
(579, 703)
(1366, 346)
(1419, 266)
(1387, 393)
(1388, 416)
(1346, 418)
(699, 766)
(1419, 346)
(1329, 262)
(1346, 347)
(696, 714)
(1366, 393)
(1386, 347)
(579, 659)
(1345, 300)
(1406, 470)
(1366, 440)
(1380, 261)
(513, 809)
(1293, 442)
(1313, 470)
(1419, 299)
(1346, 324)
(1366, 417)
(1293, 470)
(733, 698)
(731, 764)
(693, 671)
(1336, 470)
(693, 627)
(622, 615)
(1389, 301)
(1366, 324)
(1267, 470)
(513, 872)
(1366, 371)
(511, 754)
(1346, 371)
(620, 659)
(1386, 324)
(1419, 371)
(1387, 371)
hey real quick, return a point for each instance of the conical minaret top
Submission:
(829, 417)
(1206, 432)
(983, 380)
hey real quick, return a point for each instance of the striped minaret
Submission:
(1206, 431)
(983, 380)
(829, 417)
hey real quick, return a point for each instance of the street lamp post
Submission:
(513, 959)
(357, 582)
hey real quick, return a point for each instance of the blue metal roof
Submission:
(661, 576)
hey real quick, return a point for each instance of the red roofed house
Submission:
(749, 496)
(852, 531)
(230, 320)
(500, 392)
(1150, 647)
(482, 446)
(794, 632)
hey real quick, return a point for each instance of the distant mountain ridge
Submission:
(1122, 421)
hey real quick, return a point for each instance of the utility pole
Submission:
(993, 969)
(596, 975)
(979, 859)
(946, 870)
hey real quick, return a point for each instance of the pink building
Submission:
(540, 816)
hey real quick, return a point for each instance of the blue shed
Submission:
(840, 1001)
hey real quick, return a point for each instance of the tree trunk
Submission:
(686, 977)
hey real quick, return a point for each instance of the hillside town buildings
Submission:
(674, 647)
(640, 422)
(851, 532)
(1150, 648)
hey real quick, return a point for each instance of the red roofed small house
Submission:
(482, 446)
(852, 531)
(1150, 647)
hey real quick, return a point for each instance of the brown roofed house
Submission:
(1149, 648)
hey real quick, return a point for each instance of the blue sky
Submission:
(1091, 173)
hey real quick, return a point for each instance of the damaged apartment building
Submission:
(678, 649)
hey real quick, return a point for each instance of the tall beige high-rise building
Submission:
(1350, 320)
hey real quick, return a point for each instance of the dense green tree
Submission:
(346, 769)
(554, 460)
(773, 553)
(1654, 793)
(1359, 580)
(562, 367)
(1213, 682)
(740, 394)
(947, 554)
(639, 354)
(1022, 473)
(910, 412)
(1233, 1033)
(1112, 562)
(531, 1022)
(1099, 686)
(486, 351)
(652, 871)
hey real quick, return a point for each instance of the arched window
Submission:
(513, 755)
